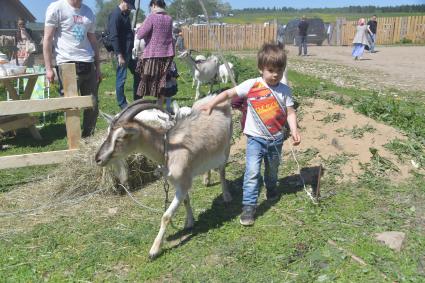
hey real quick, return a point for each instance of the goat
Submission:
(190, 149)
(198, 59)
(138, 46)
(224, 74)
(204, 72)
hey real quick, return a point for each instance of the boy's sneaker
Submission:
(272, 195)
(247, 216)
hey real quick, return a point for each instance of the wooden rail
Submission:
(70, 104)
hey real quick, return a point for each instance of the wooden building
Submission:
(10, 11)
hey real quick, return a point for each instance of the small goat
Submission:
(224, 74)
(204, 72)
(190, 150)
(198, 59)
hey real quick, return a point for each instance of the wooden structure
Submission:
(10, 11)
(390, 30)
(70, 104)
(231, 37)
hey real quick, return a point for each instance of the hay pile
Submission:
(79, 175)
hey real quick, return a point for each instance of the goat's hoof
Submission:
(189, 225)
(153, 256)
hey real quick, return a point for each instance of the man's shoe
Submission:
(272, 195)
(247, 216)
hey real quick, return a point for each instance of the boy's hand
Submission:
(296, 138)
(207, 108)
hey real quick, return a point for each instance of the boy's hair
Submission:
(271, 55)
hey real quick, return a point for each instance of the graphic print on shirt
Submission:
(269, 114)
(78, 29)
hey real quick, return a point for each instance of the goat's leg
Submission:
(227, 197)
(211, 87)
(207, 178)
(197, 90)
(193, 82)
(189, 214)
(165, 220)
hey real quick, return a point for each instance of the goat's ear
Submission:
(107, 117)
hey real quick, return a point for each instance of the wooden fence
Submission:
(390, 30)
(230, 37)
(70, 104)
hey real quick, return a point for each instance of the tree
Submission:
(182, 9)
(104, 8)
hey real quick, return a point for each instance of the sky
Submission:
(38, 7)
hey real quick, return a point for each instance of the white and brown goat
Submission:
(192, 149)
(204, 71)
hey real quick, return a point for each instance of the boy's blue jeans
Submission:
(258, 149)
(120, 80)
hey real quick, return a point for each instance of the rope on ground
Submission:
(51, 205)
(313, 200)
(138, 202)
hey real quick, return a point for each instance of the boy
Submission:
(270, 104)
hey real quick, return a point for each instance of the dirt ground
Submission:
(400, 67)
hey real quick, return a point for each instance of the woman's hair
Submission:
(271, 55)
(361, 21)
(159, 3)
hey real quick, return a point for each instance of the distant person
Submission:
(180, 42)
(70, 32)
(170, 88)
(329, 32)
(122, 39)
(157, 31)
(372, 26)
(25, 45)
(302, 34)
(360, 39)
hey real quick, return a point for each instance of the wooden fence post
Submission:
(72, 117)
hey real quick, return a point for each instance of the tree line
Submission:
(350, 9)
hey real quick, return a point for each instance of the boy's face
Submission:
(272, 75)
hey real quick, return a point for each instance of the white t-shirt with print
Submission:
(281, 91)
(72, 25)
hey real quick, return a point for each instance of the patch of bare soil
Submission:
(338, 131)
(399, 67)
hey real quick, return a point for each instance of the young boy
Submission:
(270, 105)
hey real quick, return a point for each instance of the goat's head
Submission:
(123, 133)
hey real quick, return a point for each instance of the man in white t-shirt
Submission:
(270, 106)
(70, 33)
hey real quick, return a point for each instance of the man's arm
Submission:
(49, 32)
(93, 41)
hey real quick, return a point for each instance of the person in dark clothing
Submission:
(302, 33)
(372, 25)
(122, 39)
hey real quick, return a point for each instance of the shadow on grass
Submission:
(220, 212)
(50, 133)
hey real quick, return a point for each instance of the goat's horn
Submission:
(133, 105)
(133, 111)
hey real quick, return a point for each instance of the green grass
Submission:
(288, 243)
(284, 18)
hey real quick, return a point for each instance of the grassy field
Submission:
(283, 18)
(107, 237)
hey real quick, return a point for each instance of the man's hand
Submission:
(296, 138)
(207, 108)
(50, 75)
(121, 60)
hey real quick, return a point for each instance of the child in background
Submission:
(170, 85)
(270, 105)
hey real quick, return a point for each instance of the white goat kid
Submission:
(204, 72)
(192, 149)
(224, 74)
(198, 59)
